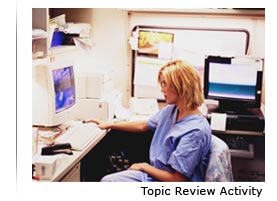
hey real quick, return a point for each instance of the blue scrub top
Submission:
(181, 145)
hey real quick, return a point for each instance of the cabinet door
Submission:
(73, 175)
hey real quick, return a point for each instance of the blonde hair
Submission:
(185, 80)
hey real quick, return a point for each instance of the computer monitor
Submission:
(53, 93)
(235, 82)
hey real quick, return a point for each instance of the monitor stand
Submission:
(235, 109)
(238, 111)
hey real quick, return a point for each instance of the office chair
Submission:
(219, 166)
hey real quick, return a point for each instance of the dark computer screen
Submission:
(64, 86)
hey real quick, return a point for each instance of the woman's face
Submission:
(170, 94)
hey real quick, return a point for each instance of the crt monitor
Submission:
(54, 94)
(235, 82)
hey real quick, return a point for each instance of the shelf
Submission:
(55, 51)
(62, 49)
(40, 21)
(212, 11)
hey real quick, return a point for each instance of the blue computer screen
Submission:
(236, 81)
(64, 86)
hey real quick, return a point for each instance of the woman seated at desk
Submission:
(180, 146)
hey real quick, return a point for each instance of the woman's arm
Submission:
(159, 174)
(136, 126)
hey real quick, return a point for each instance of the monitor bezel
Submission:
(229, 103)
(43, 95)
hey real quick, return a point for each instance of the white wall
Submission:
(109, 33)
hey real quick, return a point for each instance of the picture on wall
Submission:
(149, 41)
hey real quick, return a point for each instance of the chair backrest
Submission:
(219, 166)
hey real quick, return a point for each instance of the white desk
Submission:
(67, 163)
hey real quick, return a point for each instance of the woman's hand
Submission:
(158, 174)
(138, 166)
(101, 124)
(134, 126)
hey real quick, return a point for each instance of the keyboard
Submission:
(80, 135)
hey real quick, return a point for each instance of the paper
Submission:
(146, 71)
(146, 75)
(83, 43)
(133, 40)
(59, 20)
(77, 28)
(165, 50)
(144, 106)
(218, 121)
(38, 34)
